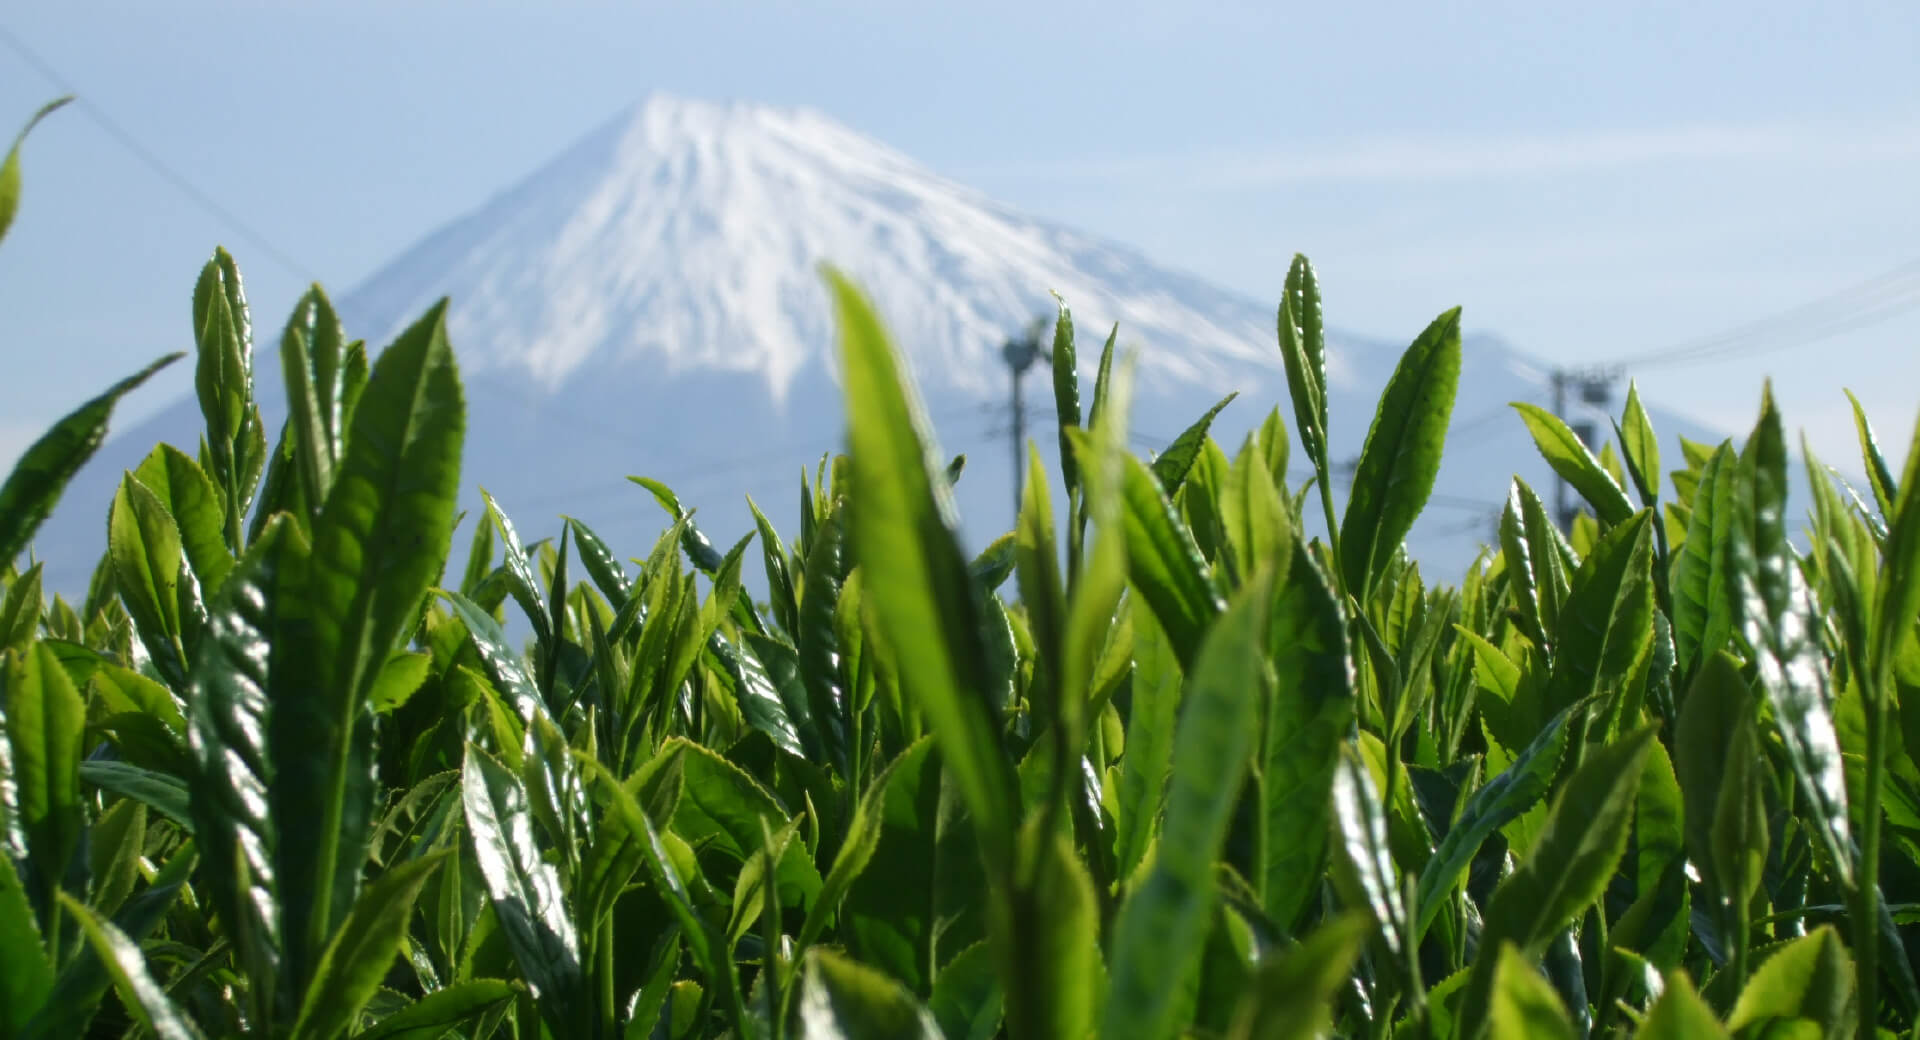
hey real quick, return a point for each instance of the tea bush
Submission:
(1155, 764)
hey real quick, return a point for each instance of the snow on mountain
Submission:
(650, 302)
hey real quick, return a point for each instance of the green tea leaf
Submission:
(1879, 475)
(1525, 1006)
(1366, 869)
(840, 999)
(1149, 739)
(1502, 799)
(26, 977)
(1575, 464)
(524, 886)
(1162, 561)
(357, 959)
(43, 470)
(227, 728)
(1680, 1014)
(1052, 992)
(903, 532)
(1162, 927)
(1303, 351)
(379, 543)
(1702, 604)
(1899, 598)
(1641, 445)
(1289, 995)
(147, 569)
(1307, 717)
(1402, 454)
(1170, 467)
(10, 175)
(431, 1016)
(140, 993)
(45, 724)
(1066, 394)
(1809, 978)
(197, 508)
(721, 808)
(1607, 620)
(1568, 866)
(312, 360)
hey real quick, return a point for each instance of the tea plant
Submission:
(1157, 763)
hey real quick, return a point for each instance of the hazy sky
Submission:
(1590, 181)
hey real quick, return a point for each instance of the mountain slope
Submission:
(649, 302)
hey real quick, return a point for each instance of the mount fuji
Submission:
(650, 302)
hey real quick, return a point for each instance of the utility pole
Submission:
(1596, 388)
(1021, 353)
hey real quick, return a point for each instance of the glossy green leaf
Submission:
(227, 713)
(503, 665)
(1401, 457)
(115, 843)
(524, 886)
(197, 508)
(903, 530)
(1307, 718)
(1365, 867)
(430, 1017)
(165, 794)
(312, 361)
(1702, 603)
(1500, 800)
(1254, 514)
(721, 808)
(1809, 978)
(148, 569)
(1066, 394)
(1879, 474)
(1170, 466)
(1771, 612)
(1575, 463)
(1607, 620)
(1568, 866)
(140, 993)
(1162, 927)
(1524, 1005)
(43, 470)
(841, 999)
(1303, 352)
(10, 175)
(357, 958)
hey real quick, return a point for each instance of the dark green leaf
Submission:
(1879, 475)
(1066, 393)
(1289, 995)
(1607, 620)
(1568, 866)
(1680, 1014)
(197, 508)
(361, 951)
(1702, 607)
(1402, 454)
(1516, 789)
(165, 794)
(42, 473)
(524, 887)
(1170, 466)
(432, 1015)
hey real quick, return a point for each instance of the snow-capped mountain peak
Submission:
(689, 234)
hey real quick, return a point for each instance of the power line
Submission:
(160, 166)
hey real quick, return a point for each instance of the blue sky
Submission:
(1590, 181)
